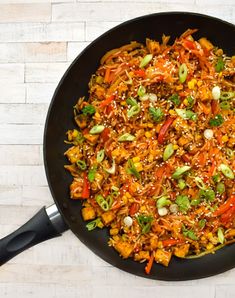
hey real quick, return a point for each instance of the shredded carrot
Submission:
(149, 265)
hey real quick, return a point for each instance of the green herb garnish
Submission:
(183, 203)
(91, 173)
(145, 222)
(156, 114)
(132, 169)
(175, 99)
(219, 65)
(216, 121)
(88, 110)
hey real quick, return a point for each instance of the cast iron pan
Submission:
(49, 222)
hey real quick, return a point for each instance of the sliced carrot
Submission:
(107, 101)
(107, 75)
(149, 265)
(226, 206)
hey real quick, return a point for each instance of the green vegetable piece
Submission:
(132, 169)
(181, 184)
(225, 105)
(200, 183)
(183, 203)
(111, 170)
(227, 95)
(168, 152)
(156, 114)
(88, 110)
(163, 201)
(220, 188)
(230, 153)
(207, 194)
(94, 224)
(141, 91)
(146, 60)
(186, 114)
(134, 110)
(131, 101)
(180, 171)
(202, 223)
(91, 174)
(96, 129)
(126, 137)
(219, 65)
(175, 99)
(191, 101)
(216, 121)
(102, 202)
(183, 72)
(195, 202)
(216, 178)
(145, 222)
(100, 156)
(81, 164)
(220, 235)
(225, 169)
(189, 233)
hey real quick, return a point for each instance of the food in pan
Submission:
(153, 152)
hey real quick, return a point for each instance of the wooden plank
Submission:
(95, 29)
(33, 52)
(39, 92)
(23, 113)
(75, 48)
(100, 11)
(12, 92)
(20, 154)
(21, 134)
(44, 72)
(42, 32)
(37, 12)
(22, 175)
(13, 73)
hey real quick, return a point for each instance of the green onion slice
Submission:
(96, 129)
(146, 60)
(180, 171)
(183, 72)
(126, 137)
(225, 169)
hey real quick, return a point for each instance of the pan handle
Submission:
(47, 223)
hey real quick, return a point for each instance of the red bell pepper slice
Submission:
(105, 135)
(140, 73)
(107, 101)
(164, 129)
(225, 207)
(86, 187)
(134, 208)
(189, 44)
(171, 242)
(228, 216)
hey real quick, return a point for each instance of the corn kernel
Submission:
(191, 84)
(74, 133)
(116, 238)
(179, 87)
(150, 158)
(185, 102)
(158, 127)
(203, 238)
(220, 74)
(136, 159)
(199, 83)
(175, 147)
(148, 134)
(142, 208)
(124, 199)
(123, 103)
(128, 195)
(150, 125)
(138, 166)
(209, 246)
(172, 112)
(113, 231)
(224, 139)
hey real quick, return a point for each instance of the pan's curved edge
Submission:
(119, 265)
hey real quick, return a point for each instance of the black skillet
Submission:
(51, 222)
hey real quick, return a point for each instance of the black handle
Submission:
(38, 229)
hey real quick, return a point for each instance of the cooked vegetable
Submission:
(180, 171)
(152, 157)
(146, 60)
(183, 72)
(156, 114)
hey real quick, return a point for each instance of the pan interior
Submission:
(73, 85)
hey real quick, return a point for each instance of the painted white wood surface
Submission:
(38, 41)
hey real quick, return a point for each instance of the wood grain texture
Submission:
(38, 41)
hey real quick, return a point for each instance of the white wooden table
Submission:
(38, 40)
